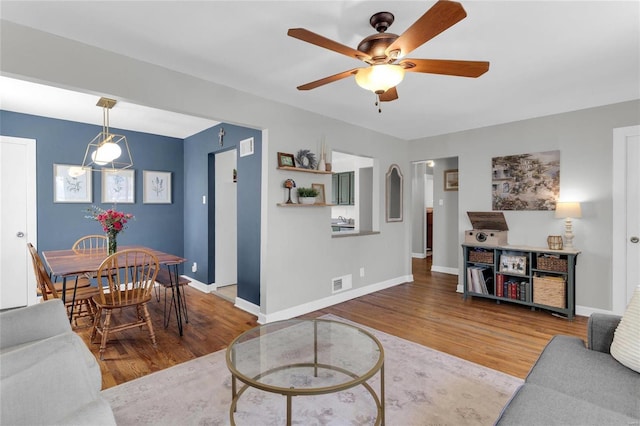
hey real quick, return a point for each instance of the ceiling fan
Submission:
(383, 52)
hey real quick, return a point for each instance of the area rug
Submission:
(422, 387)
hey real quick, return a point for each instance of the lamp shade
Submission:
(568, 209)
(379, 78)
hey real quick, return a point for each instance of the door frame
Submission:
(619, 217)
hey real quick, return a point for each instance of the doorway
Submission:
(18, 221)
(435, 215)
(225, 223)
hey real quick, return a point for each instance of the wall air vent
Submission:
(341, 283)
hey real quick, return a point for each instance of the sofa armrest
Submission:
(35, 322)
(600, 330)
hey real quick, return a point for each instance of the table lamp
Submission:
(567, 211)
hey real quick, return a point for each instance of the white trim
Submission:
(444, 270)
(618, 249)
(332, 300)
(264, 216)
(419, 255)
(249, 307)
(200, 286)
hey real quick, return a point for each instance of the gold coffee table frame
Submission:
(261, 333)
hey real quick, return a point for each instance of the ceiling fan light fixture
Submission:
(380, 78)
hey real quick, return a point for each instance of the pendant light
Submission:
(107, 151)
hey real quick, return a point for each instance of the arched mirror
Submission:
(393, 196)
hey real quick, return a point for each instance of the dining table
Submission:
(68, 263)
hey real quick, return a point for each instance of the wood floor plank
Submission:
(428, 311)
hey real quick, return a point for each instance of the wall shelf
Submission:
(300, 169)
(304, 205)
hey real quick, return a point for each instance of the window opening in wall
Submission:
(354, 191)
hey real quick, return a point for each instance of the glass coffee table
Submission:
(304, 358)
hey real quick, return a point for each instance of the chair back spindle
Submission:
(127, 277)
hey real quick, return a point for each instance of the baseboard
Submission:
(444, 270)
(205, 288)
(249, 307)
(332, 300)
(419, 255)
(586, 311)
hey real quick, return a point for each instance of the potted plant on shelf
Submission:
(307, 195)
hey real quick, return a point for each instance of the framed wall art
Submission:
(72, 184)
(525, 181)
(118, 186)
(451, 180)
(320, 198)
(156, 187)
(286, 160)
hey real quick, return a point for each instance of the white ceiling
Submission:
(546, 57)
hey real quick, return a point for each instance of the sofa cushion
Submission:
(626, 340)
(566, 366)
(535, 405)
(47, 380)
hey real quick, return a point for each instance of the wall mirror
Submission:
(393, 195)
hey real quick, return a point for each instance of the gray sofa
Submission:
(571, 384)
(48, 376)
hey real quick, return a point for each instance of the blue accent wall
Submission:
(199, 224)
(160, 226)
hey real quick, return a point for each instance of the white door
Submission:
(226, 219)
(17, 221)
(626, 215)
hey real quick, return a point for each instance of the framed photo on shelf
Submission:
(320, 198)
(118, 186)
(156, 187)
(286, 160)
(513, 264)
(72, 184)
(451, 180)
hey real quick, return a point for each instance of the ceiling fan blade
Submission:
(328, 80)
(318, 40)
(444, 14)
(446, 67)
(389, 95)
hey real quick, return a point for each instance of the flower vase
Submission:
(112, 244)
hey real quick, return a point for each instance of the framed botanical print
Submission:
(72, 184)
(156, 187)
(118, 186)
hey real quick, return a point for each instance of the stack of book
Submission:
(511, 288)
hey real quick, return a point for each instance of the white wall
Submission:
(584, 139)
(299, 257)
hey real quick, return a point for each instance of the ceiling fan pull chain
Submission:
(378, 103)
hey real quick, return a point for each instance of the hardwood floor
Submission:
(428, 311)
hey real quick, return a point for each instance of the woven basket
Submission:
(481, 256)
(552, 264)
(550, 291)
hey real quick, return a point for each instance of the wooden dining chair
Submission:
(90, 243)
(82, 305)
(125, 282)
